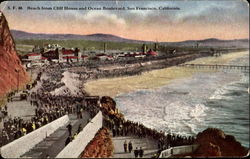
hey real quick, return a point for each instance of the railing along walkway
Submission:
(178, 150)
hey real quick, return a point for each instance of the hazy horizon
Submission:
(122, 37)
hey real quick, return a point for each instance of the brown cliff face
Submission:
(100, 147)
(10, 65)
(214, 142)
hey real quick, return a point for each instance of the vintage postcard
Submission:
(124, 79)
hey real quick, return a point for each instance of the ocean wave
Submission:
(188, 106)
(198, 111)
(235, 88)
(192, 128)
(219, 93)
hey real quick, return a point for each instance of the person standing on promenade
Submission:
(125, 145)
(136, 152)
(130, 146)
(78, 111)
(79, 129)
(68, 140)
(69, 129)
(114, 132)
(6, 108)
(141, 151)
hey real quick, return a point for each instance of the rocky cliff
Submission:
(12, 73)
(214, 142)
(100, 147)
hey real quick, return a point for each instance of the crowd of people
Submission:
(48, 107)
(122, 127)
(17, 127)
(50, 86)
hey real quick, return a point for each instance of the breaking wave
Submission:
(188, 106)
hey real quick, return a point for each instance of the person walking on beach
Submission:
(130, 146)
(125, 145)
(136, 152)
(141, 151)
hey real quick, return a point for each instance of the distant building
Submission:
(51, 46)
(72, 55)
(34, 56)
(51, 54)
(67, 55)
(151, 53)
(37, 49)
(84, 57)
(101, 56)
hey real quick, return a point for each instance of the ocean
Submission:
(190, 105)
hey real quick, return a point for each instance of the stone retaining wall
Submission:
(22, 145)
(178, 150)
(76, 147)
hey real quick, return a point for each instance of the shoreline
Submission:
(119, 85)
(136, 102)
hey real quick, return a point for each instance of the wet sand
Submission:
(153, 79)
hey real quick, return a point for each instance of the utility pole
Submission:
(144, 48)
(17, 78)
(104, 47)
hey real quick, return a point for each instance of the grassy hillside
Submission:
(27, 45)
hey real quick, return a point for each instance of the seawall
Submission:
(18, 147)
(76, 147)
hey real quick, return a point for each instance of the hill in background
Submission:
(25, 41)
(93, 37)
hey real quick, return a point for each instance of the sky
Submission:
(192, 20)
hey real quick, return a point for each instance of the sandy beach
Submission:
(153, 79)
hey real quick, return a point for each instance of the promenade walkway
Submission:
(21, 108)
(55, 143)
(148, 145)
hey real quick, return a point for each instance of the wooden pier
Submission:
(216, 66)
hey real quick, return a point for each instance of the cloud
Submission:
(215, 13)
(100, 18)
(197, 18)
